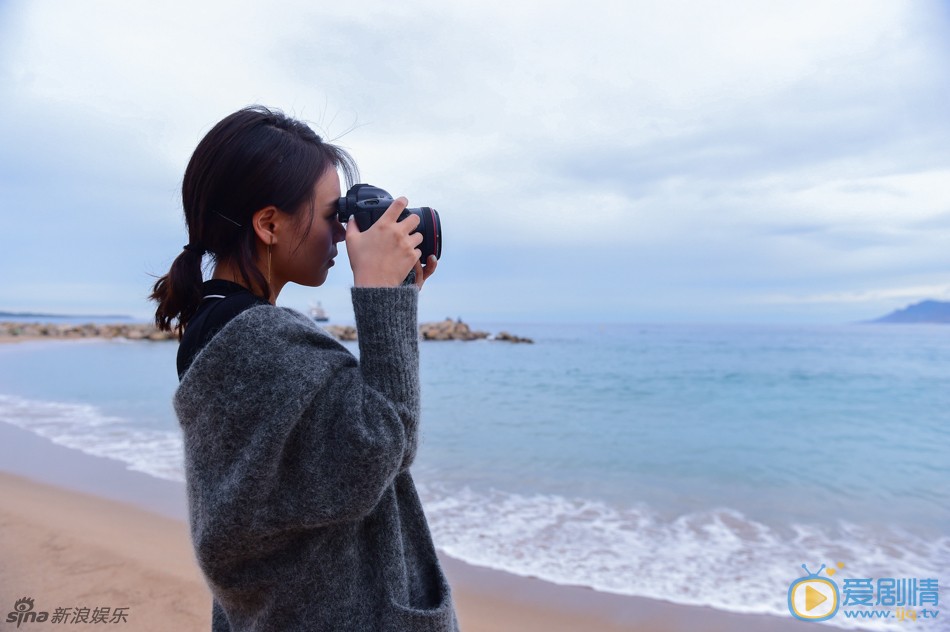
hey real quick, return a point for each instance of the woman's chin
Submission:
(313, 281)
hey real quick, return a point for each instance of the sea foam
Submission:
(87, 428)
(717, 558)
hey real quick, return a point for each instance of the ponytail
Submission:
(178, 293)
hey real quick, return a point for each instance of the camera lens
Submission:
(430, 225)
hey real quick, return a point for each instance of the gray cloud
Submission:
(604, 161)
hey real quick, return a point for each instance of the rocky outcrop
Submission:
(341, 332)
(504, 336)
(131, 331)
(449, 329)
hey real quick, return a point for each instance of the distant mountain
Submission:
(922, 312)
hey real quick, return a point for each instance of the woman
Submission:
(303, 512)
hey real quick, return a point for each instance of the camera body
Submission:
(365, 204)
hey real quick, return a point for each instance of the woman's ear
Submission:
(267, 224)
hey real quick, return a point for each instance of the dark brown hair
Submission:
(254, 158)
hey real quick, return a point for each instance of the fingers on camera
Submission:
(397, 207)
(412, 222)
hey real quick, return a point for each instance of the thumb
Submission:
(351, 227)
(420, 276)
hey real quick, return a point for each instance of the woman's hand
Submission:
(383, 255)
(424, 272)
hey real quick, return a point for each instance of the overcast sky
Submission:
(592, 161)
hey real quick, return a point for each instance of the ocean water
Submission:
(695, 464)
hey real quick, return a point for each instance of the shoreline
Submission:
(126, 537)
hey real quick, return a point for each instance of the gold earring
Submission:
(268, 263)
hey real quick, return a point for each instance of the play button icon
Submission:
(813, 598)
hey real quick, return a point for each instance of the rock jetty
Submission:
(131, 331)
(341, 332)
(504, 336)
(447, 329)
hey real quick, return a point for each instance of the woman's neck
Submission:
(227, 271)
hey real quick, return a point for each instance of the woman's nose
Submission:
(339, 232)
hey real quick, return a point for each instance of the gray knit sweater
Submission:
(303, 513)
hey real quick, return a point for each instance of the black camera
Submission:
(366, 204)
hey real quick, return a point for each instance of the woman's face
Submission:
(308, 256)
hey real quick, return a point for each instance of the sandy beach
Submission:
(85, 532)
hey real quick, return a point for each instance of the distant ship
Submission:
(318, 314)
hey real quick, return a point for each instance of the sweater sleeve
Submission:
(389, 353)
(284, 429)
